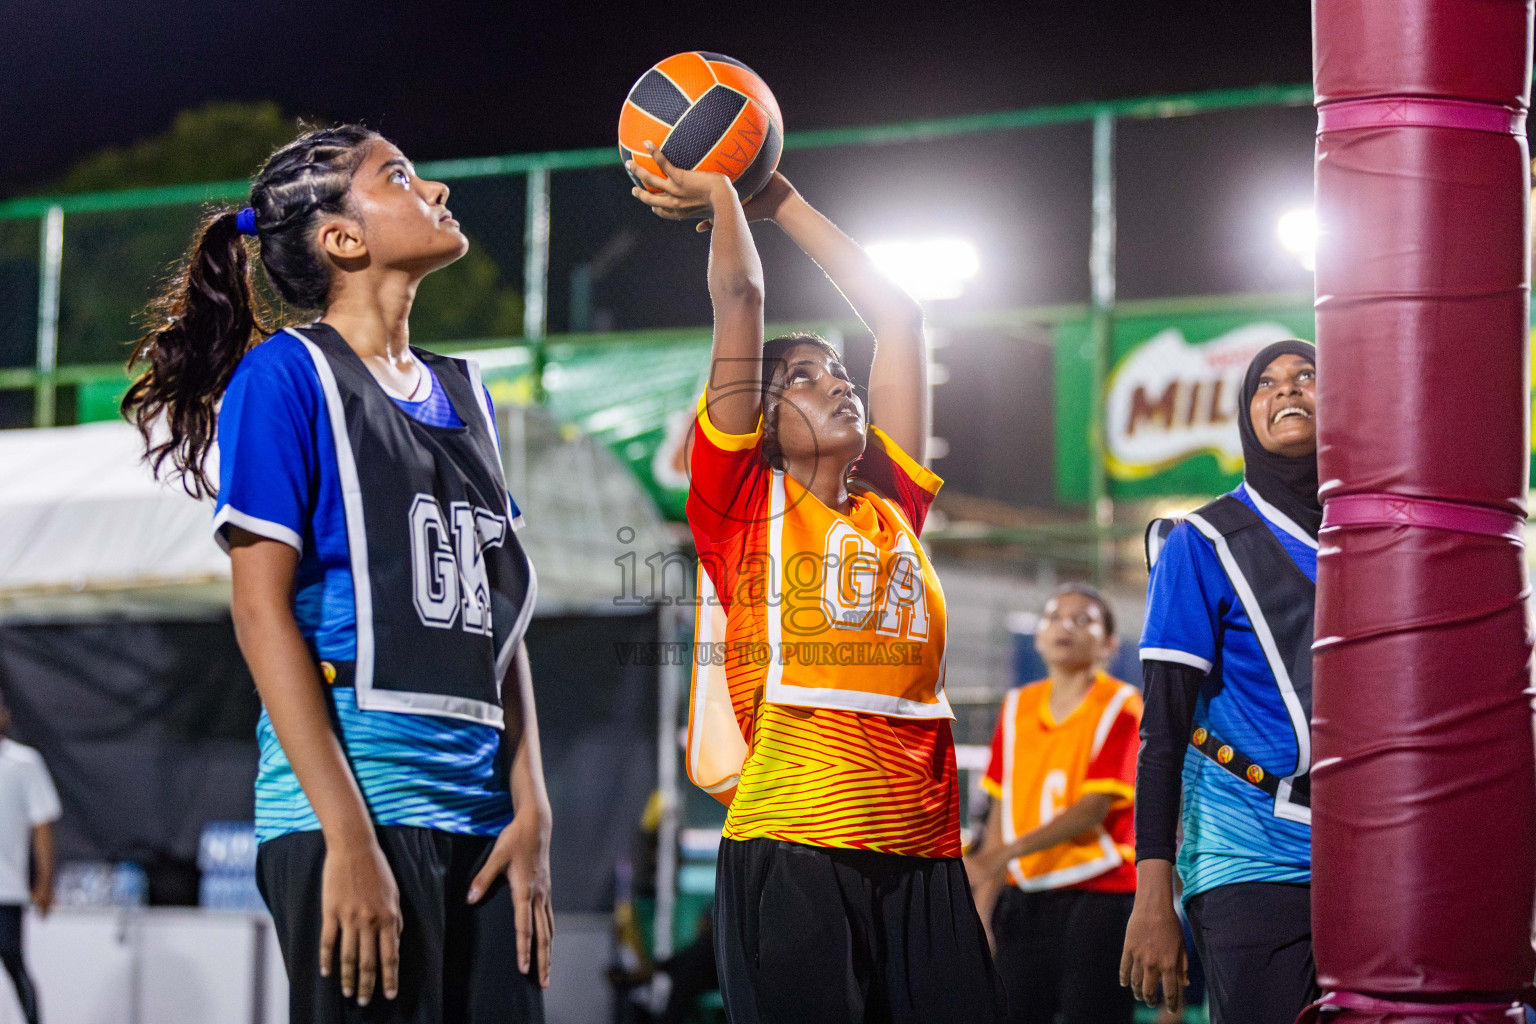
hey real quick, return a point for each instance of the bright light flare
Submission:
(1298, 235)
(934, 269)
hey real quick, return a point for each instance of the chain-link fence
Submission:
(1096, 225)
(1200, 180)
(1084, 217)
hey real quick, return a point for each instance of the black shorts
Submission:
(811, 934)
(11, 915)
(458, 963)
(1255, 942)
(1059, 952)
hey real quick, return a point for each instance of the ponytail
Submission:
(202, 323)
(208, 316)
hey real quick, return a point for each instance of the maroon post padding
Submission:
(1424, 776)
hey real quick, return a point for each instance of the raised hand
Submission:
(770, 199)
(677, 194)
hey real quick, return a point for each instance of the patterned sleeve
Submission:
(896, 476)
(1113, 769)
(727, 480)
(992, 782)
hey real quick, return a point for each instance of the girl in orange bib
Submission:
(818, 713)
(1059, 843)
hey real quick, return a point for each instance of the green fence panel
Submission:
(638, 399)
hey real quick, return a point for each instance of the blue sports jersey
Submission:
(435, 410)
(1231, 833)
(278, 479)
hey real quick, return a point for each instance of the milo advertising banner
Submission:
(1171, 400)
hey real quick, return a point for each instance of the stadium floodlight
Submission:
(933, 269)
(1298, 235)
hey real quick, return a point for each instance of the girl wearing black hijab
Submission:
(1227, 662)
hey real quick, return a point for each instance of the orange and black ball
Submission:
(705, 112)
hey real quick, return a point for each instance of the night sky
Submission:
(1198, 197)
(447, 78)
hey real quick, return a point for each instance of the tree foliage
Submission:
(214, 142)
(114, 261)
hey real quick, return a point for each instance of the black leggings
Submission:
(10, 955)
(1059, 953)
(1255, 939)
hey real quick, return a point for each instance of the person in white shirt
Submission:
(29, 805)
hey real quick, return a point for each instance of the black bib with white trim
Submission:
(443, 589)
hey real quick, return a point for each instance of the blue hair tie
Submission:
(245, 220)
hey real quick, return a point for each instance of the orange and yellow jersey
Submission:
(818, 709)
(1040, 767)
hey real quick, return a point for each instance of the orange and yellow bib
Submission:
(811, 762)
(1044, 766)
(860, 619)
(843, 613)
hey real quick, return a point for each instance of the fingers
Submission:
(522, 915)
(367, 963)
(704, 226)
(327, 944)
(664, 195)
(1144, 985)
(668, 207)
(652, 180)
(370, 957)
(389, 960)
(1127, 965)
(495, 864)
(546, 925)
(657, 200)
(349, 939)
(1146, 980)
(664, 202)
(660, 158)
(1173, 991)
(1181, 982)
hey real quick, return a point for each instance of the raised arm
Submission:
(898, 380)
(735, 285)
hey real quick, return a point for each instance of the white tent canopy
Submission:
(87, 532)
(85, 528)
